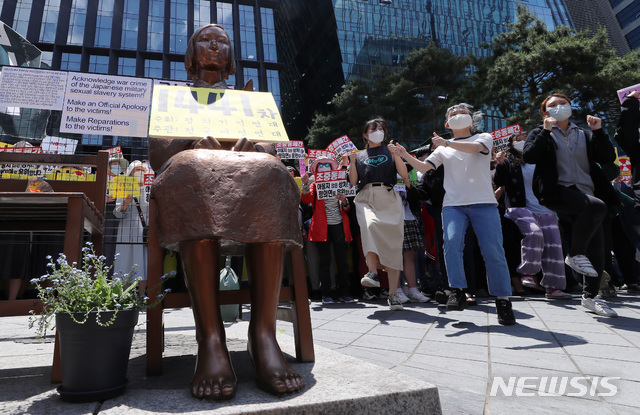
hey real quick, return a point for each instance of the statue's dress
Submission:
(236, 197)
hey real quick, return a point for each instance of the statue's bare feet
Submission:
(274, 375)
(214, 377)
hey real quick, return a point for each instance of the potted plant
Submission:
(95, 317)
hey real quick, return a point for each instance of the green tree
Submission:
(413, 99)
(529, 62)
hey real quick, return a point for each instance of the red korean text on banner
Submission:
(115, 152)
(625, 169)
(321, 154)
(290, 150)
(148, 179)
(330, 183)
(501, 137)
(34, 150)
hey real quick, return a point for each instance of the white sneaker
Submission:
(581, 265)
(370, 279)
(599, 306)
(402, 297)
(418, 297)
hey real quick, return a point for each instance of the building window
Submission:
(273, 83)
(92, 140)
(629, 14)
(251, 73)
(70, 62)
(104, 23)
(45, 59)
(130, 24)
(155, 27)
(178, 27)
(98, 64)
(225, 17)
(50, 21)
(127, 66)
(202, 14)
(178, 72)
(21, 16)
(77, 21)
(268, 35)
(248, 49)
(153, 68)
(633, 37)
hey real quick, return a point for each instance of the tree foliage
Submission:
(412, 99)
(529, 62)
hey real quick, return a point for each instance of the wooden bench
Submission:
(73, 207)
(295, 293)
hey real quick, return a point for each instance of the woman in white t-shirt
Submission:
(469, 198)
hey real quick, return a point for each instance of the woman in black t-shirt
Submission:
(378, 207)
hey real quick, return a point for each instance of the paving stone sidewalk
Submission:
(462, 353)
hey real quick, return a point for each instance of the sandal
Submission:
(471, 299)
(528, 281)
(558, 295)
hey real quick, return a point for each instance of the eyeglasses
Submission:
(324, 165)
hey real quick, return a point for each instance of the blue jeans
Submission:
(485, 221)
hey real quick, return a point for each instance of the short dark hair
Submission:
(190, 55)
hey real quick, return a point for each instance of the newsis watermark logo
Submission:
(554, 386)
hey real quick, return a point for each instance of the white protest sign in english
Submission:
(330, 183)
(291, 150)
(32, 88)
(58, 145)
(106, 105)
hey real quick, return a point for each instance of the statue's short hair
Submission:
(190, 55)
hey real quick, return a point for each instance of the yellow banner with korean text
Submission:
(193, 113)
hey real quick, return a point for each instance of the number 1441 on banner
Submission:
(193, 113)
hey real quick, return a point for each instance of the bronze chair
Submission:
(295, 292)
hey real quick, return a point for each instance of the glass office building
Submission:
(302, 51)
(628, 14)
(372, 33)
(379, 33)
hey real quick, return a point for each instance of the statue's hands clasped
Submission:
(208, 143)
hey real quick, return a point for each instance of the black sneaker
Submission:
(505, 313)
(441, 297)
(457, 300)
(633, 288)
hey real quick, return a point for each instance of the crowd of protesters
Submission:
(554, 193)
(546, 215)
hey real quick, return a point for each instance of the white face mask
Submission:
(376, 136)
(561, 112)
(460, 122)
(519, 145)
